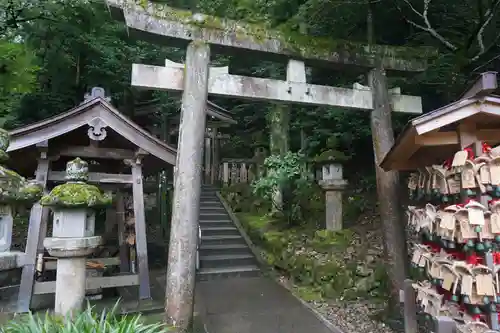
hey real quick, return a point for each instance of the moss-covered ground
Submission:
(320, 264)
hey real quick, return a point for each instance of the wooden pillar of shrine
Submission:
(208, 155)
(140, 227)
(215, 156)
(37, 231)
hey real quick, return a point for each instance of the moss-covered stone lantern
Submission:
(14, 190)
(73, 205)
(329, 174)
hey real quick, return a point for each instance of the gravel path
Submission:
(352, 317)
(348, 316)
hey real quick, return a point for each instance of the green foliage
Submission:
(86, 321)
(242, 199)
(289, 175)
(17, 76)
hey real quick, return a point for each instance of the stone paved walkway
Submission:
(253, 305)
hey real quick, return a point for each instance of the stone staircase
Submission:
(223, 251)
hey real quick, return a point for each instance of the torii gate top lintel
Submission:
(157, 21)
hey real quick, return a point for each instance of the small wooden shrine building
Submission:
(120, 154)
(427, 139)
(455, 194)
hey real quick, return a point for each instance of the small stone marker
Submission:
(333, 184)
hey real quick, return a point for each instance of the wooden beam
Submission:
(51, 265)
(437, 139)
(95, 152)
(484, 85)
(37, 231)
(95, 177)
(453, 113)
(451, 138)
(140, 230)
(160, 23)
(120, 220)
(49, 287)
(170, 78)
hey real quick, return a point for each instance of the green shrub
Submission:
(241, 199)
(288, 174)
(86, 321)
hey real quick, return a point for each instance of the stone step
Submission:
(222, 240)
(213, 216)
(210, 202)
(226, 272)
(226, 260)
(205, 212)
(215, 250)
(209, 194)
(219, 231)
(210, 224)
(212, 209)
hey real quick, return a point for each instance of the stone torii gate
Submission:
(160, 23)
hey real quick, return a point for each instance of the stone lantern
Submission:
(329, 174)
(73, 239)
(14, 190)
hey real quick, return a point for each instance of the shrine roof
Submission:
(433, 137)
(212, 110)
(95, 113)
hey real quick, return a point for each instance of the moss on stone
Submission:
(289, 40)
(14, 188)
(331, 155)
(31, 192)
(76, 194)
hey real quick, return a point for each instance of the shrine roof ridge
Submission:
(212, 110)
(157, 20)
(439, 123)
(82, 115)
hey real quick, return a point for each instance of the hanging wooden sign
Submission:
(413, 181)
(475, 212)
(465, 230)
(494, 165)
(483, 167)
(459, 160)
(440, 182)
(495, 217)
(466, 277)
(484, 282)
(468, 175)
(453, 183)
(486, 231)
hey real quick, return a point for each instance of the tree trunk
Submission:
(279, 122)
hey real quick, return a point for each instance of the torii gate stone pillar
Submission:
(196, 80)
(181, 269)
